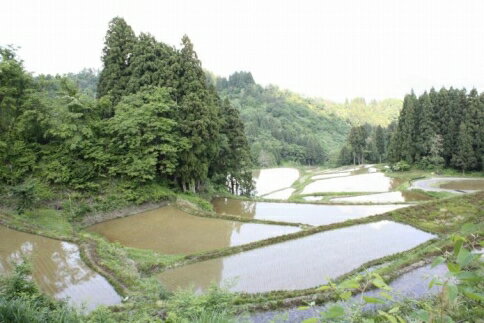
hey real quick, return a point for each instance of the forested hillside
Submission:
(155, 119)
(438, 129)
(441, 128)
(281, 125)
(358, 112)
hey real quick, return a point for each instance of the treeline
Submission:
(366, 144)
(280, 125)
(437, 129)
(155, 118)
(444, 128)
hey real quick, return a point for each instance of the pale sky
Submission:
(331, 49)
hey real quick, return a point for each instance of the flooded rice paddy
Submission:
(171, 231)
(413, 284)
(311, 214)
(57, 268)
(280, 195)
(331, 175)
(370, 182)
(465, 185)
(389, 197)
(449, 184)
(274, 179)
(297, 264)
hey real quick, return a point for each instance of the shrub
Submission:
(401, 166)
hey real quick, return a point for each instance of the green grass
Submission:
(146, 260)
(46, 222)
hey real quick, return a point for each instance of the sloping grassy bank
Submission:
(129, 269)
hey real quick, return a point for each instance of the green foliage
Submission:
(366, 143)
(443, 128)
(280, 125)
(186, 306)
(143, 141)
(118, 47)
(29, 193)
(401, 166)
(21, 301)
(358, 112)
(156, 120)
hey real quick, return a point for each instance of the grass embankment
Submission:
(127, 268)
(442, 218)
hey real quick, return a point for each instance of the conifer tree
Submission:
(151, 65)
(464, 158)
(197, 119)
(426, 127)
(380, 142)
(407, 136)
(117, 53)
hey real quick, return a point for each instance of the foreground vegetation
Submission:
(149, 301)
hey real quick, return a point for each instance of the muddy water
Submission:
(390, 197)
(57, 268)
(301, 263)
(298, 213)
(465, 185)
(274, 179)
(171, 231)
(372, 182)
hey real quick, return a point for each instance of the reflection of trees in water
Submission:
(236, 207)
(56, 265)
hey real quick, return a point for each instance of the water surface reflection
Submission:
(312, 214)
(300, 263)
(172, 231)
(57, 268)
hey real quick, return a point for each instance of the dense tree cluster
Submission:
(366, 144)
(281, 126)
(441, 128)
(155, 118)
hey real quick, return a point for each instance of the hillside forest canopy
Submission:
(436, 129)
(154, 118)
(152, 114)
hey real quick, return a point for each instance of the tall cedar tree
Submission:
(197, 120)
(449, 130)
(380, 142)
(117, 53)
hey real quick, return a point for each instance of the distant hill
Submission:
(358, 112)
(281, 125)
(284, 126)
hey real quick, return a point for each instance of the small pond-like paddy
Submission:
(465, 185)
(311, 214)
(57, 268)
(370, 182)
(297, 264)
(449, 184)
(172, 231)
(273, 179)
